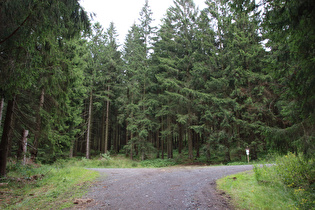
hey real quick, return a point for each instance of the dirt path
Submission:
(164, 188)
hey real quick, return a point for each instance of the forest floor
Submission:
(186, 187)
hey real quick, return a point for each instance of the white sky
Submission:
(125, 12)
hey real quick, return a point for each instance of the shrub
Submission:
(292, 173)
(106, 156)
(295, 171)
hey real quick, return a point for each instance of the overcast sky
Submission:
(125, 12)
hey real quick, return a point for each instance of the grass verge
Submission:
(289, 184)
(45, 187)
(247, 193)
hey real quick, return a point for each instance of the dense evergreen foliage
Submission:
(206, 84)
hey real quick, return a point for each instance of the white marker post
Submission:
(247, 153)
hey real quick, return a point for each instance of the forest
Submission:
(203, 85)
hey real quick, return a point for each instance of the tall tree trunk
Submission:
(71, 148)
(157, 139)
(197, 137)
(24, 144)
(131, 132)
(190, 135)
(190, 144)
(180, 139)
(132, 146)
(6, 137)
(169, 138)
(162, 140)
(208, 142)
(126, 133)
(107, 121)
(88, 133)
(116, 143)
(34, 150)
(228, 146)
(103, 127)
(1, 109)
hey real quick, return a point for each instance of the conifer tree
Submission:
(95, 74)
(25, 34)
(289, 29)
(137, 108)
(112, 75)
(174, 59)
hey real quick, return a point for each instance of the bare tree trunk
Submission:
(103, 131)
(1, 109)
(71, 148)
(197, 137)
(190, 136)
(88, 133)
(180, 139)
(115, 137)
(132, 146)
(157, 139)
(6, 137)
(190, 144)
(208, 143)
(169, 138)
(107, 121)
(38, 126)
(131, 133)
(24, 144)
(162, 140)
(127, 133)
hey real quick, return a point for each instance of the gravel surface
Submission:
(163, 188)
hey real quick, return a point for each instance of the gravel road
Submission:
(163, 188)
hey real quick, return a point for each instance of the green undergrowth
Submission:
(103, 161)
(117, 161)
(43, 187)
(157, 163)
(288, 184)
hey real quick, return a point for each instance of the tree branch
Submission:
(16, 30)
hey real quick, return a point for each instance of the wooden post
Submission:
(247, 153)
(24, 144)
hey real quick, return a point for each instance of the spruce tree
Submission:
(138, 101)
(25, 41)
(174, 59)
(289, 28)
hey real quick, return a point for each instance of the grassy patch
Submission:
(45, 187)
(158, 163)
(247, 193)
(118, 161)
(289, 184)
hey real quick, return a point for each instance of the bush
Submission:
(292, 173)
(295, 171)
